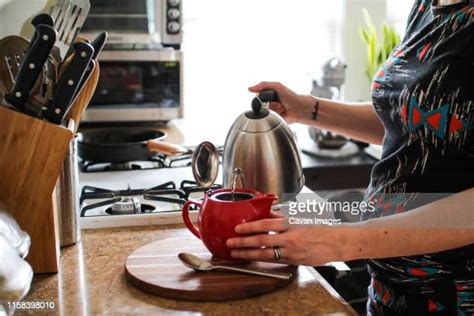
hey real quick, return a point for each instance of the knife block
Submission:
(32, 152)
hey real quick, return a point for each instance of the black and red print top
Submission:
(424, 94)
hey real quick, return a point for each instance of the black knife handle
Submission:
(98, 43)
(69, 82)
(43, 18)
(32, 65)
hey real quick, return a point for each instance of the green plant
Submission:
(377, 52)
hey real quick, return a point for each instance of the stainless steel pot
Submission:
(262, 145)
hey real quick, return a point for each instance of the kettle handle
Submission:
(268, 95)
(187, 220)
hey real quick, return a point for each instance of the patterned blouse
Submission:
(424, 94)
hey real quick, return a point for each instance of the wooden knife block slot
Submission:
(32, 152)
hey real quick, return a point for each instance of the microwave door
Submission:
(130, 89)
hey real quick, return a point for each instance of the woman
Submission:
(422, 113)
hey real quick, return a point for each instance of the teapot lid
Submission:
(259, 119)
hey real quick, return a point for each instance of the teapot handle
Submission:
(187, 220)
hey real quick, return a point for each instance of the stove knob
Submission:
(173, 27)
(174, 14)
(174, 3)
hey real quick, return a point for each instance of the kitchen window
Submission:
(229, 45)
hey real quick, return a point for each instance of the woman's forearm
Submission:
(357, 121)
(445, 224)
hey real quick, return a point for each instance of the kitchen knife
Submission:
(43, 18)
(72, 72)
(98, 44)
(79, 38)
(32, 65)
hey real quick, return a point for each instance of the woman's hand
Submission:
(314, 245)
(291, 105)
(446, 226)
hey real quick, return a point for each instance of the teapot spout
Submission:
(264, 202)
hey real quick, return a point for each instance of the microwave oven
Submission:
(138, 86)
(150, 23)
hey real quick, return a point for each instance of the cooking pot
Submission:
(262, 146)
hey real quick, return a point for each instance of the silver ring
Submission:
(276, 253)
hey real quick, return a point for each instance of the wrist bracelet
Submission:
(314, 115)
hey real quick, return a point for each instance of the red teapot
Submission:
(222, 210)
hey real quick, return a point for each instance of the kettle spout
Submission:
(264, 203)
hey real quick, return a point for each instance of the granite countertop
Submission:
(92, 281)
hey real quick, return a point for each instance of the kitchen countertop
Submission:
(92, 281)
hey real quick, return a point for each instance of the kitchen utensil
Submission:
(43, 18)
(69, 79)
(67, 197)
(262, 145)
(98, 43)
(196, 263)
(79, 38)
(12, 50)
(84, 96)
(69, 16)
(156, 269)
(205, 164)
(32, 152)
(221, 211)
(117, 145)
(32, 66)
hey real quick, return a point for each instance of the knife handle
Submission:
(98, 43)
(32, 65)
(43, 18)
(72, 73)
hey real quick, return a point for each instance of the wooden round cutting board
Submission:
(155, 268)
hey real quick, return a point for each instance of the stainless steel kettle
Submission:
(262, 145)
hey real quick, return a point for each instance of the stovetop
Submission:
(141, 185)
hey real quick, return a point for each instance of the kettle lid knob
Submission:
(259, 112)
(256, 105)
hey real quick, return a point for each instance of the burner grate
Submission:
(166, 192)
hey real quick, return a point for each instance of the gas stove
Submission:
(136, 197)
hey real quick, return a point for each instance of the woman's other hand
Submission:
(291, 104)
